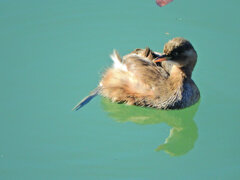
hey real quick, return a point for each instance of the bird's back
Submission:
(137, 81)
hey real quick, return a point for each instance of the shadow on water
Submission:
(183, 133)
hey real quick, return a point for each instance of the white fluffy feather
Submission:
(117, 61)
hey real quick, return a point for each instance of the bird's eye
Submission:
(175, 54)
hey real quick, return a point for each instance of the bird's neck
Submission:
(176, 78)
(172, 91)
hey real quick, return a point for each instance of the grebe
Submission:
(150, 79)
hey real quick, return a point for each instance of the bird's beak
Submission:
(161, 58)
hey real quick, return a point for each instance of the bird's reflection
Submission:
(183, 133)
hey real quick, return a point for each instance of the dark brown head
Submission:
(181, 53)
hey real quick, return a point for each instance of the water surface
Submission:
(53, 54)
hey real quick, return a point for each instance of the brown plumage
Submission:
(147, 78)
(167, 85)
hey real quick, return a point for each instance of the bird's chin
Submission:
(167, 66)
(173, 63)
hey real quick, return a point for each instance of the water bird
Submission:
(150, 79)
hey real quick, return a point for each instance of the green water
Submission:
(53, 54)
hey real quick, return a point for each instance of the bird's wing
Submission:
(133, 80)
(145, 70)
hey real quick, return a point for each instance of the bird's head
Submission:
(181, 53)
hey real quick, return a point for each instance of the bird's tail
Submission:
(87, 99)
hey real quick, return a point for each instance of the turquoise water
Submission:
(53, 54)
